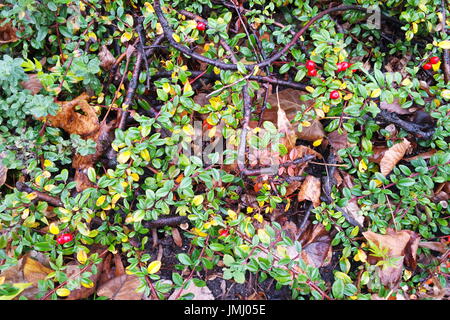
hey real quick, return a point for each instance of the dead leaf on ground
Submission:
(121, 288)
(310, 190)
(8, 33)
(316, 246)
(177, 237)
(83, 121)
(395, 107)
(27, 270)
(33, 84)
(400, 244)
(285, 127)
(353, 212)
(291, 104)
(200, 293)
(392, 156)
(107, 60)
(436, 246)
(3, 170)
(338, 141)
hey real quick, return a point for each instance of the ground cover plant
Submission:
(210, 149)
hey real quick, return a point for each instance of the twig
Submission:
(40, 195)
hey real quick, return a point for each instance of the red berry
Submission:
(64, 238)
(339, 67)
(310, 65)
(434, 60)
(342, 66)
(312, 72)
(334, 94)
(201, 26)
(223, 232)
(427, 66)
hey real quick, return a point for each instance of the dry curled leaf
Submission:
(392, 156)
(8, 33)
(121, 288)
(107, 60)
(177, 237)
(338, 141)
(316, 244)
(310, 190)
(436, 246)
(76, 117)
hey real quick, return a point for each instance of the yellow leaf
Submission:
(375, 93)
(124, 156)
(82, 256)
(48, 163)
(436, 66)
(166, 87)
(100, 201)
(406, 82)
(199, 232)
(63, 292)
(317, 143)
(198, 199)
(258, 217)
(145, 155)
(444, 44)
(154, 267)
(216, 70)
(149, 7)
(187, 129)
(53, 228)
(232, 214)
(135, 177)
(88, 283)
(362, 166)
(309, 89)
(187, 87)
(176, 37)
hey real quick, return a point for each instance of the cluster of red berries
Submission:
(311, 66)
(429, 65)
(201, 26)
(64, 238)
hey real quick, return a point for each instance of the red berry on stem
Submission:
(339, 66)
(427, 66)
(434, 60)
(60, 239)
(201, 26)
(223, 232)
(334, 94)
(68, 237)
(345, 65)
(312, 72)
(310, 65)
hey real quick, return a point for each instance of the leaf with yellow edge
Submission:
(63, 292)
(126, 36)
(100, 201)
(124, 156)
(187, 87)
(176, 37)
(362, 167)
(198, 200)
(145, 155)
(53, 228)
(263, 236)
(154, 267)
(82, 256)
(20, 286)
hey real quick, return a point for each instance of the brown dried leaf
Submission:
(200, 293)
(107, 60)
(310, 190)
(177, 237)
(338, 141)
(291, 104)
(7, 33)
(354, 215)
(285, 126)
(395, 106)
(400, 244)
(121, 288)
(392, 156)
(33, 84)
(436, 246)
(74, 122)
(316, 244)
(34, 271)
